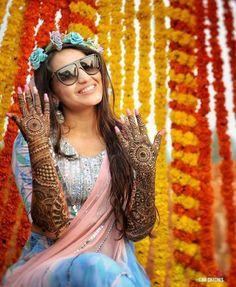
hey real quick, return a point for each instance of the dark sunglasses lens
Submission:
(90, 64)
(68, 75)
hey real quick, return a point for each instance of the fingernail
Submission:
(45, 97)
(162, 132)
(117, 130)
(9, 115)
(136, 112)
(128, 112)
(122, 119)
(19, 90)
(26, 88)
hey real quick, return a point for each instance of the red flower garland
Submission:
(223, 138)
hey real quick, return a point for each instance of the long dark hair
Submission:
(122, 176)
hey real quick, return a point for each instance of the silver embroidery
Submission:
(78, 175)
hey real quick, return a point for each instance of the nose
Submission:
(83, 76)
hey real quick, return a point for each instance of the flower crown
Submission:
(56, 41)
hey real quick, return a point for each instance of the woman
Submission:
(87, 178)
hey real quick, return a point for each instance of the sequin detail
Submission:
(78, 175)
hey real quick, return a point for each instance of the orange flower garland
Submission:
(223, 139)
(204, 162)
(231, 42)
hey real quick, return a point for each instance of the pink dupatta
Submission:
(92, 230)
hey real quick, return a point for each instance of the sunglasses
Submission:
(69, 74)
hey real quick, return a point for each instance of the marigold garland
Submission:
(144, 84)
(223, 138)
(3, 6)
(115, 48)
(231, 43)
(204, 161)
(104, 27)
(144, 89)
(8, 58)
(160, 243)
(129, 44)
(82, 18)
(184, 165)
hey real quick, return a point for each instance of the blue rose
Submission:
(37, 57)
(55, 38)
(74, 38)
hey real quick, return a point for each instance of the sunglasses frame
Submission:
(78, 66)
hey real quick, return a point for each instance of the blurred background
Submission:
(174, 60)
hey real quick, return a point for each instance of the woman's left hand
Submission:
(137, 145)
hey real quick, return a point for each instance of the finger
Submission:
(46, 107)
(157, 142)
(28, 98)
(125, 128)
(22, 102)
(121, 138)
(133, 125)
(141, 125)
(38, 106)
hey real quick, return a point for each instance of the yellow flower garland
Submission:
(180, 14)
(9, 57)
(3, 5)
(115, 48)
(183, 178)
(184, 139)
(84, 9)
(144, 89)
(78, 27)
(186, 157)
(144, 85)
(129, 43)
(181, 38)
(161, 242)
(187, 202)
(104, 27)
(183, 118)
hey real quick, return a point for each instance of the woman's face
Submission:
(87, 90)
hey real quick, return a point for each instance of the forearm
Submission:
(48, 209)
(142, 212)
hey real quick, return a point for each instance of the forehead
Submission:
(64, 57)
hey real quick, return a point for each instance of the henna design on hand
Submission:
(49, 209)
(137, 146)
(142, 155)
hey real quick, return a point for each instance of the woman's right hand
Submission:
(34, 123)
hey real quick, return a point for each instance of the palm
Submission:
(34, 123)
(141, 152)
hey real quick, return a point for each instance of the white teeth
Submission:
(87, 89)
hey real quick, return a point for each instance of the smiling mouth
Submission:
(87, 89)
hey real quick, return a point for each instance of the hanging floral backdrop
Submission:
(168, 59)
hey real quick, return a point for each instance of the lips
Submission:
(87, 89)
